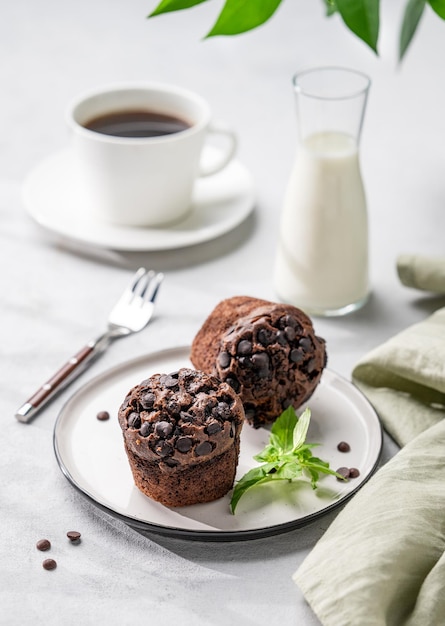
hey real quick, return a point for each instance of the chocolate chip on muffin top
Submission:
(181, 417)
(267, 352)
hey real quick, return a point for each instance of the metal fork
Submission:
(131, 314)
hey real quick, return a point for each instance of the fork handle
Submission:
(65, 375)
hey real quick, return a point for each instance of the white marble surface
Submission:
(55, 296)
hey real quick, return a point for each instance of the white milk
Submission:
(322, 260)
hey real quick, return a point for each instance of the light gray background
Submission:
(55, 295)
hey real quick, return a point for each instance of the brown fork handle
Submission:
(61, 378)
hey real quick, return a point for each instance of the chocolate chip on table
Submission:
(49, 564)
(102, 416)
(73, 536)
(43, 545)
(343, 471)
(354, 472)
(343, 446)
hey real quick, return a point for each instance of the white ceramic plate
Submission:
(91, 455)
(220, 203)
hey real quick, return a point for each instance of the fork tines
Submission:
(145, 284)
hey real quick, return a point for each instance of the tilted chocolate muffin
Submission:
(181, 434)
(267, 352)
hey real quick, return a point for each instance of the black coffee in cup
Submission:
(136, 123)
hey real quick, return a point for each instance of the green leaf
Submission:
(289, 471)
(239, 16)
(362, 18)
(331, 7)
(438, 7)
(165, 6)
(283, 429)
(270, 454)
(253, 477)
(300, 430)
(411, 18)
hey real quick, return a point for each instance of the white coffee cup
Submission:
(143, 181)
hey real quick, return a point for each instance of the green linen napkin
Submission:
(382, 562)
(405, 378)
(422, 272)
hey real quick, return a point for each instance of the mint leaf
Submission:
(362, 18)
(286, 456)
(283, 429)
(165, 6)
(300, 430)
(411, 18)
(239, 16)
(255, 476)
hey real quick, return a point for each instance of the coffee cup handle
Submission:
(217, 164)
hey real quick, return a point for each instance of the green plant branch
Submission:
(361, 17)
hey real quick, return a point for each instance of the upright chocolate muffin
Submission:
(181, 434)
(267, 352)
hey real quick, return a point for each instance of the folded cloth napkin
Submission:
(422, 272)
(382, 561)
(405, 379)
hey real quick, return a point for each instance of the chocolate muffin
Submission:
(267, 352)
(181, 433)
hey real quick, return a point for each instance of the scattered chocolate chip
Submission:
(244, 348)
(183, 444)
(354, 472)
(102, 416)
(49, 564)
(43, 545)
(134, 420)
(343, 471)
(145, 429)
(73, 536)
(163, 429)
(343, 446)
(205, 447)
(148, 400)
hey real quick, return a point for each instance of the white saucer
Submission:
(220, 203)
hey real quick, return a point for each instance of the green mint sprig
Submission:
(285, 457)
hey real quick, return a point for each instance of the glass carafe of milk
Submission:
(322, 258)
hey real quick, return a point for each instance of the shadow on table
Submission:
(166, 260)
(301, 539)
